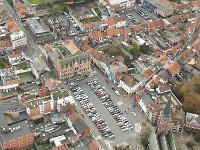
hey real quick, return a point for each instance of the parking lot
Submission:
(138, 15)
(106, 112)
(91, 111)
(64, 26)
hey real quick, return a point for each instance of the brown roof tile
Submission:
(147, 73)
(187, 54)
(174, 67)
(128, 80)
(74, 116)
(94, 145)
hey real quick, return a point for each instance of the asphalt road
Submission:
(21, 25)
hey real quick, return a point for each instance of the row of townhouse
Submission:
(109, 33)
(11, 36)
(23, 9)
(161, 106)
(117, 22)
(115, 70)
(118, 5)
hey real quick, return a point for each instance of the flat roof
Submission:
(160, 5)
(18, 129)
(37, 26)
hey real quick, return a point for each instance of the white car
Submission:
(117, 93)
(134, 114)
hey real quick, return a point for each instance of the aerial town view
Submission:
(99, 74)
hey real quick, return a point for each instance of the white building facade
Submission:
(18, 39)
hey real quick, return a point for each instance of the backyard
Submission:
(28, 76)
(89, 20)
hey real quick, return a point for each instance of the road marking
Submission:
(108, 144)
(137, 127)
(119, 103)
(98, 137)
(110, 141)
(134, 135)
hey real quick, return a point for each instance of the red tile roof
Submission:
(91, 51)
(51, 84)
(195, 3)
(153, 24)
(112, 21)
(147, 73)
(162, 58)
(187, 54)
(175, 49)
(17, 53)
(74, 116)
(173, 68)
(97, 35)
(47, 48)
(5, 44)
(196, 44)
(128, 80)
(71, 47)
(93, 145)
(12, 26)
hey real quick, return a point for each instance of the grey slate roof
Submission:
(167, 110)
(146, 99)
(79, 125)
(163, 142)
(192, 117)
(170, 140)
(153, 141)
(17, 132)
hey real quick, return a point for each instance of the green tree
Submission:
(2, 64)
(189, 94)
(144, 49)
(113, 51)
(121, 148)
(190, 144)
(197, 137)
(55, 8)
(128, 62)
(144, 136)
(196, 84)
(134, 50)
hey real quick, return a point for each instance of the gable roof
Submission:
(146, 99)
(128, 80)
(93, 145)
(186, 55)
(190, 117)
(47, 48)
(17, 53)
(147, 73)
(74, 116)
(71, 47)
(174, 67)
(79, 125)
(51, 84)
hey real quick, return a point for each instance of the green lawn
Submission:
(28, 76)
(89, 20)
